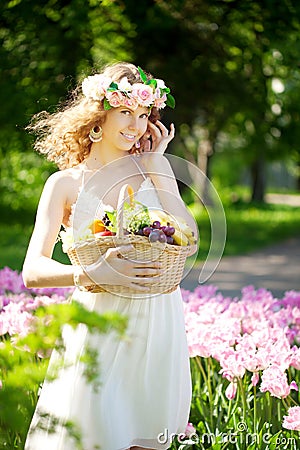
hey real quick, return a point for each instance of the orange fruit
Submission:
(97, 226)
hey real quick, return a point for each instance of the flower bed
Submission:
(245, 360)
(17, 303)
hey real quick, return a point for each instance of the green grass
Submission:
(15, 229)
(249, 227)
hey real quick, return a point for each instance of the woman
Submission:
(144, 394)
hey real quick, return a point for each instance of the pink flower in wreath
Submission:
(292, 420)
(159, 101)
(143, 93)
(130, 102)
(115, 98)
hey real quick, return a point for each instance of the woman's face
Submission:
(123, 127)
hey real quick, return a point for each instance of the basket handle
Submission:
(125, 191)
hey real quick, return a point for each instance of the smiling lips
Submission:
(129, 137)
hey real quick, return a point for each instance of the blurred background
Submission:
(234, 70)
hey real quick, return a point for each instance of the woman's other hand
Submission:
(157, 137)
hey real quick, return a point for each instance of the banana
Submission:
(180, 238)
(184, 227)
(183, 235)
(160, 215)
(192, 240)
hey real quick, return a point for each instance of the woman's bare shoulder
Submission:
(66, 180)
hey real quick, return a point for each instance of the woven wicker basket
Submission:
(172, 257)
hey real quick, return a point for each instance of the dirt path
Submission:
(276, 268)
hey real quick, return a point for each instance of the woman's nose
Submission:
(133, 123)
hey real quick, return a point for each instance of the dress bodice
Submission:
(88, 205)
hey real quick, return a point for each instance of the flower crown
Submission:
(149, 93)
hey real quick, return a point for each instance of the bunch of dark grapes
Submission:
(158, 233)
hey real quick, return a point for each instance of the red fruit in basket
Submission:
(105, 233)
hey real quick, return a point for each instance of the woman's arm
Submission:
(39, 269)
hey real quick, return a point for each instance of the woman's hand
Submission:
(112, 269)
(157, 137)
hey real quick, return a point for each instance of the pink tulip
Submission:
(292, 420)
(294, 386)
(190, 429)
(275, 381)
(255, 378)
(231, 390)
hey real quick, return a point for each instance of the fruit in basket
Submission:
(154, 236)
(169, 231)
(182, 234)
(180, 238)
(170, 240)
(160, 216)
(156, 224)
(147, 231)
(157, 235)
(104, 233)
(97, 226)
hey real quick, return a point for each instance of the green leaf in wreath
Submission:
(113, 86)
(170, 101)
(152, 83)
(142, 75)
(106, 104)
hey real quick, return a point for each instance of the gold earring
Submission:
(96, 134)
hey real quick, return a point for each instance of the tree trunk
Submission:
(205, 151)
(258, 179)
(298, 177)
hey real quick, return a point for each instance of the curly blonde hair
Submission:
(63, 136)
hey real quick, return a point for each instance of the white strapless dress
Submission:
(144, 391)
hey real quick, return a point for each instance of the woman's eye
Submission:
(144, 116)
(125, 111)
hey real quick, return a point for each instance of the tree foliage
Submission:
(232, 66)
